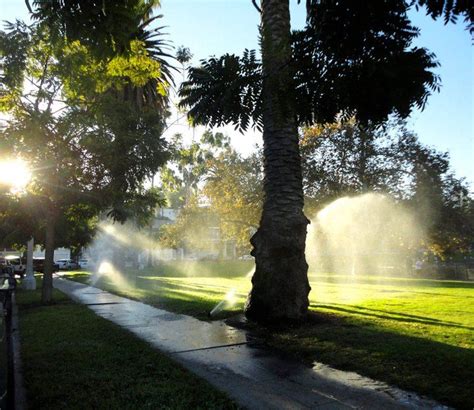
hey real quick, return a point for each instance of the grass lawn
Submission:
(76, 360)
(413, 333)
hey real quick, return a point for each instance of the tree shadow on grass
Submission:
(399, 317)
(396, 281)
(436, 369)
(392, 313)
(204, 269)
(164, 285)
(146, 283)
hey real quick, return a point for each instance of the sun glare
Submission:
(15, 174)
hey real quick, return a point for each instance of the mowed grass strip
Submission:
(76, 360)
(417, 334)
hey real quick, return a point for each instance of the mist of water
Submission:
(351, 238)
(116, 247)
(229, 299)
(119, 252)
(106, 270)
(362, 235)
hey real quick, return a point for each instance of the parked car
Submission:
(67, 264)
(18, 264)
(83, 263)
(38, 265)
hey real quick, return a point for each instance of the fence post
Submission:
(8, 396)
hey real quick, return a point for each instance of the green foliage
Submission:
(194, 229)
(351, 58)
(103, 26)
(348, 158)
(234, 190)
(137, 66)
(136, 77)
(224, 90)
(189, 164)
(215, 188)
(17, 223)
(111, 45)
(89, 146)
(140, 206)
(13, 46)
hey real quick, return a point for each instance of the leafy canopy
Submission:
(352, 58)
(89, 146)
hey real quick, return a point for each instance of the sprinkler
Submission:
(228, 300)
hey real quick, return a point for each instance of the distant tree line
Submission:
(214, 186)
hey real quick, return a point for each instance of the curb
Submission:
(20, 396)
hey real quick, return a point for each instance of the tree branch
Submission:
(254, 2)
(28, 6)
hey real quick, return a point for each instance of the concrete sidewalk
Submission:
(230, 360)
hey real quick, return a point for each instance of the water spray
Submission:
(369, 234)
(228, 301)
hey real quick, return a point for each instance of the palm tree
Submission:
(280, 282)
(154, 93)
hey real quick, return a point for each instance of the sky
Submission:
(215, 27)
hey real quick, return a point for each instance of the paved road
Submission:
(230, 360)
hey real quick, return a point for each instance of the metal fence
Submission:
(7, 285)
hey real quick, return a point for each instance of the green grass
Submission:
(76, 360)
(413, 333)
(191, 288)
(221, 269)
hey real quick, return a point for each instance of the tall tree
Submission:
(209, 178)
(233, 189)
(104, 26)
(347, 158)
(90, 147)
(353, 57)
(280, 283)
(188, 166)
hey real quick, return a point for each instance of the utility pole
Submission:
(150, 250)
(29, 283)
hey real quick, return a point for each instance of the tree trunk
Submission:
(280, 282)
(47, 289)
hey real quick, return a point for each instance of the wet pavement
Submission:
(233, 362)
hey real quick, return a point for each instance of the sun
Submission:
(15, 174)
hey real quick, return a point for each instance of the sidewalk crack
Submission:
(209, 348)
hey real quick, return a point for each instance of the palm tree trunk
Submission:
(47, 289)
(280, 282)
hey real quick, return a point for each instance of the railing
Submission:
(7, 386)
